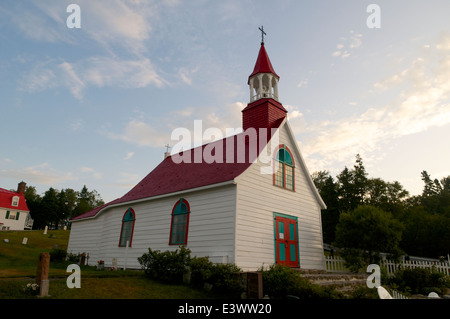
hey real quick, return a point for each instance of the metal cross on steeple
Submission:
(167, 153)
(262, 34)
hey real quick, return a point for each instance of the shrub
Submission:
(201, 270)
(73, 258)
(226, 279)
(58, 254)
(420, 281)
(170, 266)
(280, 282)
(167, 266)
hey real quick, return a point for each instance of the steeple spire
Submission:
(263, 81)
(264, 109)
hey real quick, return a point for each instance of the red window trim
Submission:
(187, 222)
(284, 171)
(132, 227)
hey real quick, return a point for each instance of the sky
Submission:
(96, 105)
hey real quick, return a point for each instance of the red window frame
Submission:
(186, 223)
(276, 162)
(122, 227)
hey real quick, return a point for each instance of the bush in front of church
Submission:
(166, 266)
(175, 266)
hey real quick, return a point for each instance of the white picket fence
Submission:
(336, 264)
(392, 267)
(397, 295)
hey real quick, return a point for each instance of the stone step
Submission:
(338, 279)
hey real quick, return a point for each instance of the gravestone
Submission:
(83, 259)
(24, 241)
(114, 263)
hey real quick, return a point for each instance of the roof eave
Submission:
(136, 201)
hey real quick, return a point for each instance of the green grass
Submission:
(18, 265)
(17, 260)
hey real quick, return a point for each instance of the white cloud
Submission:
(71, 80)
(127, 180)
(419, 101)
(91, 171)
(129, 155)
(96, 71)
(125, 23)
(76, 125)
(346, 45)
(186, 75)
(303, 83)
(104, 71)
(37, 22)
(38, 174)
(140, 133)
(156, 132)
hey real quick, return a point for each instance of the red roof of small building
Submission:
(170, 176)
(263, 64)
(6, 197)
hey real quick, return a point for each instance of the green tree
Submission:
(388, 196)
(87, 200)
(34, 205)
(328, 190)
(67, 200)
(365, 232)
(50, 207)
(352, 185)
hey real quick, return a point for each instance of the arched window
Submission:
(180, 223)
(126, 233)
(284, 168)
(15, 201)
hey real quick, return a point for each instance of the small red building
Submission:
(14, 212)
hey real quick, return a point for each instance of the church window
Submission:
(284, 168)
(126, 234)
(180, 223)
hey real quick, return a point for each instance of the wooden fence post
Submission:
(254, 285)
(42, 274)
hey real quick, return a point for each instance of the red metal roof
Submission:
(263, 64)
(170, 177)
(6, 200)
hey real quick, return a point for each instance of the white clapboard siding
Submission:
(211, 228)
(258, 199)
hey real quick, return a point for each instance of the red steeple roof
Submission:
(263, 64)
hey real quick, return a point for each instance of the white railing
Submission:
(265, 95)
(392, 267)
(397, 295)
(337, 264)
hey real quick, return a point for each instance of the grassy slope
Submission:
(18, 265)
(17, 260)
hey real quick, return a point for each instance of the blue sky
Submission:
(95, 106)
